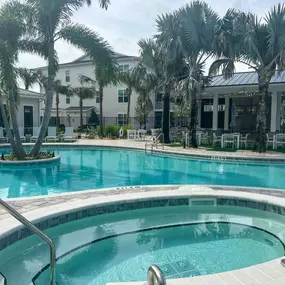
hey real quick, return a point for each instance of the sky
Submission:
(127, 21)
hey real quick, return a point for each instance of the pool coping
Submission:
(15, 163)
(272, 270)
(140, 145)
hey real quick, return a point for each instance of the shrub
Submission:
(112, 131)
(126, 128)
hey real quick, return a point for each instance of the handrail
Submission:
(156, 139)
(155, 276)
(36, 231)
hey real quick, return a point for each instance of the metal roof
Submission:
(244, 78)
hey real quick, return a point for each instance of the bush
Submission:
(112, 131)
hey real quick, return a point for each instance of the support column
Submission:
(273, 119)
(215, 112)
(199, 112)
(278, 112)
(227, 113)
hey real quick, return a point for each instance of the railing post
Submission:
(155, 276)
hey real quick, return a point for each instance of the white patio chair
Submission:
(2, 138)
(22, 137)
(68, 135)
(227, 139)
(279, 140)
(269, 140)
(51, 134)
(131, 134)
(243, 140)
(36, 132)
(216, 139)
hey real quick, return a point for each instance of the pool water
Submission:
(184, 241)
(82, 169)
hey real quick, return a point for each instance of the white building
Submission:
(28, 113)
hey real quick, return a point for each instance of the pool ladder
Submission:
(154, 142)
(36, 231)
(155, 276)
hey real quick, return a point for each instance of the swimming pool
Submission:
(183, 241)
(82, 169)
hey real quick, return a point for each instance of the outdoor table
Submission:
(132, 134)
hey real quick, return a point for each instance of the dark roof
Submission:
(244, 78)
(76, 108)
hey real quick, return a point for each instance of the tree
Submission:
(48, 22)
(129, 79)
(28, 76)
(93, 119)
(84, 92)
(189, 32)
(143, 108)
(260, 45)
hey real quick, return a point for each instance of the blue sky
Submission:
(126, 21)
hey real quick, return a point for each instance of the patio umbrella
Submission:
(233, 116)
(283, 116)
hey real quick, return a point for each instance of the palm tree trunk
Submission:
(101, 111)
(48, 105)
(15, 149)
(166, 115)
(57, 109)
(15, 126)
(260, 142)
(193, 123)
(129, 90)
(81, 113)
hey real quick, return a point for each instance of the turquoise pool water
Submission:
(184, 241)
(82, 169)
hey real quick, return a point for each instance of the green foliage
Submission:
(93, 119)
(111, 131)
(126, 128)
(143, 108)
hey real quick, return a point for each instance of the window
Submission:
(97, 99)
(67, 99)
(124, 68)
(158, 97)
(122, 119)
(122, 96)
(67, 76)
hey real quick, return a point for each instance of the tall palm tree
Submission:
(260, 45)
(83, 92)
(28, 76)
(11, 32)
(48, 22)
(129, 79)
(190, 32)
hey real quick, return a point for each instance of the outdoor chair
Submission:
(22, 137)
(36, 132)
(243, 140)
(216, 139)
(68, 135)
(279, 140)
(269, 140)
(2, 138)
(51, 134)
(228, 139)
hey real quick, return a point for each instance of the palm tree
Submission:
(11, 33)
(143, 108)
(83, 92)
(28, 76)
(48, 22)
(260, 45)
(129, 79)
(189, 32)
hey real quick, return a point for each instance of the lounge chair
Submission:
(244, 140)
(22, 137)
(51, 134)
(2, 138)
(216, 139)
(68, 135)
(36, 132)
(270, 140)
(228, 139)
(279, 140)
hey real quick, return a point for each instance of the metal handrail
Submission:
(156, 139)
(155, 276)
(36, 231)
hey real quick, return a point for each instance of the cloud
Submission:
(127, 21)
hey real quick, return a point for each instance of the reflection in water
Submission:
(91, 169)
